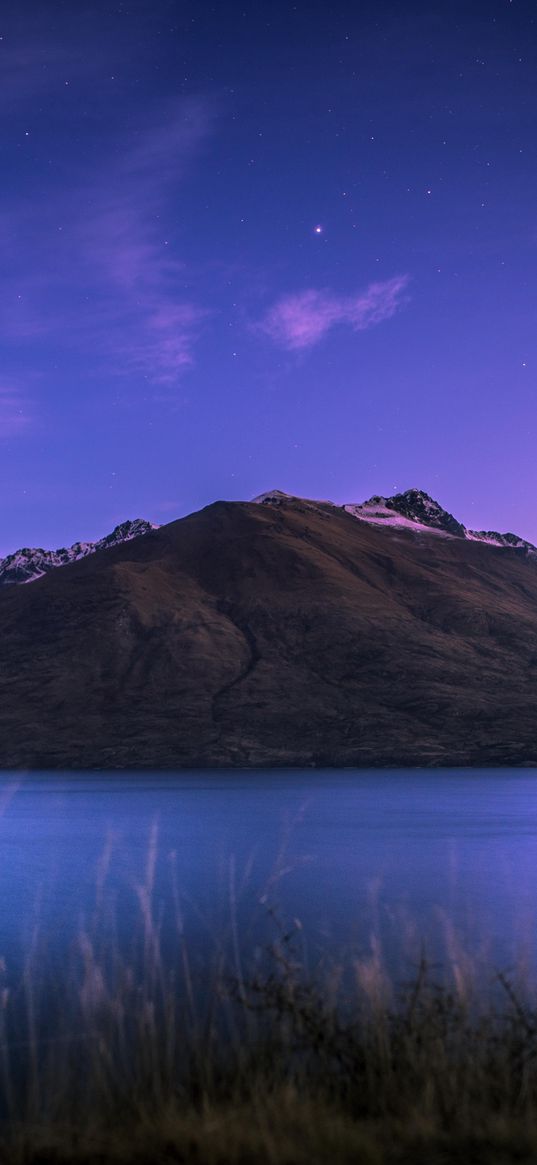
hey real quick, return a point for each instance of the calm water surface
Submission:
(409, 856)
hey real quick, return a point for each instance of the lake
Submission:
(384, 860)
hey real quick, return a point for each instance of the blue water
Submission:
(409, 857)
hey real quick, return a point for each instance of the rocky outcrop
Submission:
(31, 563)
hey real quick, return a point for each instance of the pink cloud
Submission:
(300, 321)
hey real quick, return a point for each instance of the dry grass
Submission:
(120, 1057)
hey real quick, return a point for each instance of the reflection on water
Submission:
(409, 856)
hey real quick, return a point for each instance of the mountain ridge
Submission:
(414, 510)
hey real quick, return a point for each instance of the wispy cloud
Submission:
(128, 253)
(96, 269)
(301, 320)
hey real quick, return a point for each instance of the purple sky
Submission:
(262, 245)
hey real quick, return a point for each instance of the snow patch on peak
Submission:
(414, 509)
(378, 513)
(273, 497)
(30, 563)
(495, 539)
(276, 497)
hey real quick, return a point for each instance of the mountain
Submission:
(281, 633)
(29, 564)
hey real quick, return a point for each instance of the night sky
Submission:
(255, 245)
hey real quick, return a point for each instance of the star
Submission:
(318, 230)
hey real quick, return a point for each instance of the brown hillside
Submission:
(273, 635)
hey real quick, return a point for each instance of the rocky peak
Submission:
(30, 563)
(418, 506)
(497, 539)
(273, 497)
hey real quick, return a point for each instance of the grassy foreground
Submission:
(121, 1058)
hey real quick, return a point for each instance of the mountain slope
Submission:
(288, 634)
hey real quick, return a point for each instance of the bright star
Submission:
(318, 230)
